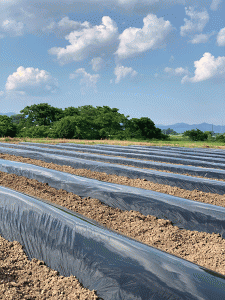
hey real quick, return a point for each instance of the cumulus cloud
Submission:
(208, 67)
(88, 42)
(31, 81)
(221, 37)
(177, 72)
(36, 14)
(88, 82)
(97, 63)
(121, 72)
(151, 36)
(12, 28)
(201, 38)
(215, 4)
(197, 22)
(51, 8)
(65, 26)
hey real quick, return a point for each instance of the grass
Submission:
(174, 141)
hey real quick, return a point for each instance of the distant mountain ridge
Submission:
(9, 114)
(181, 127)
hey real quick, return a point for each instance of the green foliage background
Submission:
(89, 123)
(84, 122)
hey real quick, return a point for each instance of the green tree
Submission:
(143, 128)
(196, 135)
(7, 128)
(108, 122)
(71, 111)
(40, 114)
(220, 138)
(67, 127)
(169, 131)
(35, 131)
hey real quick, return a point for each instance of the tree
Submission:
(109, 122)
(169, 131)
(7, 128)
(67, 127)
(40, 114)
(220, 138)
(35, 131)
(71, 111)
(196, 135)
(143, 128)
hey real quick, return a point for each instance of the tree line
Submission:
(83, 122)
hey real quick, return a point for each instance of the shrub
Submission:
(196, 135)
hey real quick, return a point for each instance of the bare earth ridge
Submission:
(205, 249)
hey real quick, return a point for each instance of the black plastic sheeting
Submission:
(197, 151)
(161, 156)
(181, 181)
(117, 267)
(195, 161)
(214, 173)
(184, 149)
(128, 149)
(187, 214)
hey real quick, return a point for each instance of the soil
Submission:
(195, 195)
(21, 278)
(24, 279)
(205, 249)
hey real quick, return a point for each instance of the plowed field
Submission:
(24, 279)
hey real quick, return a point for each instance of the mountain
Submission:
(181, 127)
(9, 114)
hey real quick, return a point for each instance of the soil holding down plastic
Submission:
(205, 249)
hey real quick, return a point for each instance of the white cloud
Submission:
(215, 4)
(151, 36)
(197, 22)
(36, 14)
(31, 81)
(208, 67)
(221, 37)
(11, 27)
(177, 72)
(88, 42)
(201, 38)
(87, 81)
(122, 72)
(97, 63)
(64, 26)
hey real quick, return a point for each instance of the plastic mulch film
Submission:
(155, 154)
(187, 165)
(128, 149)
(182, 181)
(183, 149)
(117, 267)
(187, 214)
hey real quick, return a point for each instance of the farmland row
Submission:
(197, 247)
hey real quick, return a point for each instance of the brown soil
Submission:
(205, 249)
(195, 195)
(121, 156)
(21, 278)
(24, 279)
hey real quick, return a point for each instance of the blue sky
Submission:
(150, 58)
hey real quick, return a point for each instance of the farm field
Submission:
(199, 247)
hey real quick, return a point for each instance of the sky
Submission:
(161, 59)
